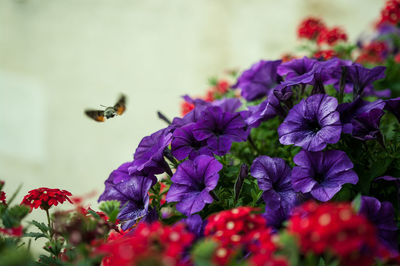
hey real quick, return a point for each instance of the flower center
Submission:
(319, 177)
(314, 126)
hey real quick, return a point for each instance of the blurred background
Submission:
(58, 57)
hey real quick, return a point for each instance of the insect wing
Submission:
(120, 106)
(97, 115)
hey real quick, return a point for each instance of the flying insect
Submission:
(109, 111)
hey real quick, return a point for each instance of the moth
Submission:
(109, 112)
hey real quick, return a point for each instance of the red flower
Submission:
(310, 28)
(209, 96)
(16, 231)
(333, 227)
(3, 197)
(374, 52)
(186, 108)
(163, 197)
(153, 244)
(222, 86)
(45, 198)
(391, 12)
(325, 54)
(240, 228)
(397, 58)
(331, 36)
(287, 57)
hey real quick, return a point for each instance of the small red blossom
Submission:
(331, 36)
(209, 96)
(186, 108)
(287, 57)
(3, 197)
(391, 12)
(240, 228)
(310, 28)
(222, 86)
(45, 198)
(154, 243)
(15, 231)
(397, 58)
(374, 53)
(163, 197)
(325, 54)
(333, 227)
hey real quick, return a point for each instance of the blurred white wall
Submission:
(58, 57)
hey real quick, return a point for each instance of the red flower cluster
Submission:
(333, 227)
(152, 244)
(331, 36)
(325, 54)
(310, 28)
(15, 231)
(314, 29)
(163, 187)
(186, 107)
(391, 12)
(238, 229)
(374, 53)
(3, 197)
(45, 198)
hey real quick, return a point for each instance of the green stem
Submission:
(49, 223)
(342, 84)
(252, 144)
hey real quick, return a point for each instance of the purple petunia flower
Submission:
(362, 77)
(120, 175)
(220, 129)
(322, 173)
(296, 67)
(149, 155)
(308, 71)
(266, 110)
(312, 123)
(349, 111)
(358, 77)
(133, 195)
(366, 125)
(184, 144)
(276, 217)
(393, 105)
(273, 177)
(192, 183)
(195, 225)
(257, 81)
(226, 105)
(381, 214)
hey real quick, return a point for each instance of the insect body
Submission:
(101, 115)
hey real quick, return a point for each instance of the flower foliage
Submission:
(293, 161)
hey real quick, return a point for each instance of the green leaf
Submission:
(203, 251)
(111, 209)
(12, 217)
(356, 203)
(41, 226)
(19, 211)
(46, 260)
(94, 214)
(35, 235)
(290, 248)
(11, 199)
